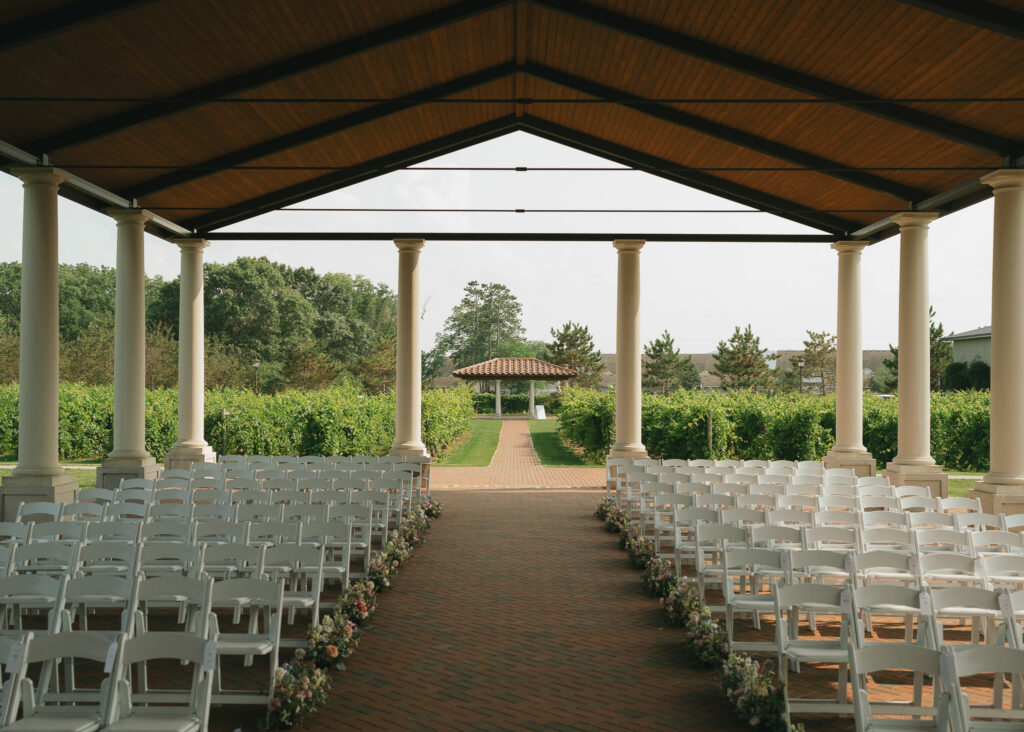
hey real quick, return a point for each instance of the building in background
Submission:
(972, 345)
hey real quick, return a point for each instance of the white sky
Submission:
(698, 292)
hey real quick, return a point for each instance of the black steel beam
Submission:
(976, 12)
(789, 78)
(61, 19)
(298, 236)
(671, 171)
(349, 176)
(728, 134)
(264, 75)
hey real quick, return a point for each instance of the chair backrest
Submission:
(995, 542)
(830, 537)
(789, 517)
(904, 491)
(1013, 521)
(172, 495)
(943, 540)
(877, 503)
(169, 558)
(885, 537)
(15, 532)
(176, 473)
(977, 521)
(836, 518)
(959, 503)
(757, 501)
(974, 661)
(102, 591)
(165, 530)
(248, 496)
(837, 503)
(95, 495)
(38, 511)
(120, 530)
(275, 532)
(920, 661)
(876, 519)
(127, 511)
(919, 503)
(931, 519)
(173, 482)
(771, 537)
(883, 565)
(259, 512)
(49, 557)
(715, 501)
(804, 503)
(188, 593)
(751, 562)
(742, 516)
(109, 557)
(64, 531)
(220, 532)
(214, 511)
(227, 561)
(181, 512)
(218, 495)
(83, 511)
(207, 483)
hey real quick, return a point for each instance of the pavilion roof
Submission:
(834, 115)
(515, 368)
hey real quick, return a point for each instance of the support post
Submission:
(532, 410)
(408, 435)
(628, 440)
(129, 458)
(38, 476)
(191, 446)
(913, 464)
(1002, 489)
(497, 398)
(849, 451)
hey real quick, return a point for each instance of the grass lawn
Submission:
(85, 478)
(550, 450)
(477, 448)
(960, 486)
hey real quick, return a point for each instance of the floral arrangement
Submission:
(604, 507)
(616, 520)
(640, 548)
(432, 508)
(659, 577)
(300, 689)
(331, 641)
(359, 602)
(679, 603)
(706, 636)
(753, 690)
(397, 548)
(415, 527)
(379, 571)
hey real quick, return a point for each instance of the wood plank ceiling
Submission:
(833, 114)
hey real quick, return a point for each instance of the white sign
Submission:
(540, 411)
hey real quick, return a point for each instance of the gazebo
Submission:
(514, 369)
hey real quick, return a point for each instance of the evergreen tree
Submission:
(941, 355)
(820, 358)
(487, 320)
(573, 347)
(741, 362)
(665, 370)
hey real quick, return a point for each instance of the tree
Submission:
(377, 371)
(307, 367)
(488, 318)
(741, 362)
(941, 355)
(820, 358)
(664, 369)
(573, 347)
(960, 375)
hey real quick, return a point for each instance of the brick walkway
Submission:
(515, 465)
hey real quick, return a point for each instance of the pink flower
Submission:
(275, 704)
(331, 651)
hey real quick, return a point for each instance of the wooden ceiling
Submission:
(831, 113)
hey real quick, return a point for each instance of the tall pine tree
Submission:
(664, 370)
(741, 362)
(573, 347)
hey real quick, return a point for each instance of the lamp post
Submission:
(800, 365)
(256, 368)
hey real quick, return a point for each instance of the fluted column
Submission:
(531, 411)
(191, 446)
(38, 476)
(497, 398)
(849, 451)
(408, 437)
(628, 441)
(1002, 489)
(129, 458)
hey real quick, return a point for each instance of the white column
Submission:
(628, 442)
(497, 398)
(408, 436)
(532, 411)
(129, 458)
(38, 476)
(1003, 488)
(913, 464)
(849, 451)
(191, 446)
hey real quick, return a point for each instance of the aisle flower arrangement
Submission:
(301, 685)
(751, 689)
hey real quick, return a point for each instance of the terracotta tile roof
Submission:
(515, 368)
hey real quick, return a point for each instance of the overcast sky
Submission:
(698, 292)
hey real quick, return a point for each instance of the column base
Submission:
(409, 449)
(635, 451)
(181, 457)
(998, 497)
(862, 463)
(15, 489)
(115, 469)
(930, 476)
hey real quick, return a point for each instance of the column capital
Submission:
(849, 247)
(129, 215)
(629, 245)
(39, 174)
(1004, 178)
(409, 245)
(191, 244)
(911, 219)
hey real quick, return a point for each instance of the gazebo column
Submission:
(628, 441)
(913, 464)
(129, 458)
(532, 409)
(497, 398)
(1002, 490)
(849, 451)
(191, 446)
(408, 436)
(38, 476)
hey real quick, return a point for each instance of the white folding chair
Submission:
(259, 598)
(877, 716)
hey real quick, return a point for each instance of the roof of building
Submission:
(515, 368)
(968, 335)
(211, 113)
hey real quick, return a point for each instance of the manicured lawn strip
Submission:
(550, 450)
(85, 478)
(478, 448)
(960, 486)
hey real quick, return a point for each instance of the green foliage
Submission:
(749, 425)
(941, 357)
(573, 347)
(510, 403)
(664, 370)
(741, 362)
(550, 449)
(819, 358)
(487, 321)
(961, 375)
(337, 421)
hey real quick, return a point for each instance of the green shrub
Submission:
(510, 403)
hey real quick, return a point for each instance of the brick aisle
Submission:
(515, 465)
(520, 612)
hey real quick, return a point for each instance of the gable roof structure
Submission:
(833, 115)
(515, 369)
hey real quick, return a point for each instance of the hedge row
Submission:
(510, 403)
(747, 425)
(337, 421)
